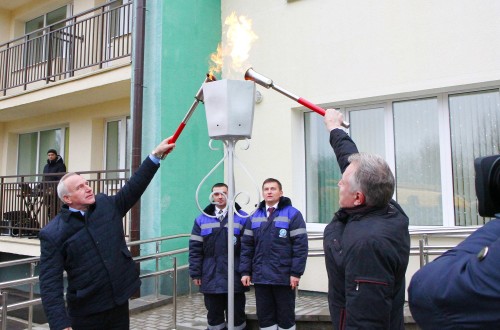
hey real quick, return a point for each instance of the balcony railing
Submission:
(28, 203)
(89, 41)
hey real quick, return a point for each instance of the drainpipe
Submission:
(137, 96)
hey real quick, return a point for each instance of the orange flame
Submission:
(235, 52)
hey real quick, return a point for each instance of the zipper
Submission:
(369, 282)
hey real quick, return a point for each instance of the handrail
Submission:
(86, 41)
(69, 19)
(35, 279)
(28, 202)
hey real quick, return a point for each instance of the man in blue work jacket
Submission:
(273, 257)
(208, 260)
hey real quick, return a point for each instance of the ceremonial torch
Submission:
(268, 83)
(197, 99)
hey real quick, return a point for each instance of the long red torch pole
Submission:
(268, 83)
(197, 99)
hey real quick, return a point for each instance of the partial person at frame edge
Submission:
(367, 243)
(461, 288)
(86, 240)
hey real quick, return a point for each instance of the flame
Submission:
(234, 53)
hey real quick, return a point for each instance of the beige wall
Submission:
(4, 26)
(334, 52)
(86, 141)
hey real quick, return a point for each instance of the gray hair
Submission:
(373, 178)
(62, 190)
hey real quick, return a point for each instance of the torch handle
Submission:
(317, 109)
(177, 132)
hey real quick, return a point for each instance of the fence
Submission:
(28, 203)
(424, 250)
(88, 41)
(32, 280)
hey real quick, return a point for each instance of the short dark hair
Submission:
(268, 180)
(52, 151)
(220, 184)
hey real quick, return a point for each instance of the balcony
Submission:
(27, 203)
(90, 41)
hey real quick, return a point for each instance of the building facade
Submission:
(419, 83)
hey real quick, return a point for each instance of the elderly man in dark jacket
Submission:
(86, 240)
(367, 243)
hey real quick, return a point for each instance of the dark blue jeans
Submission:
(116, 318)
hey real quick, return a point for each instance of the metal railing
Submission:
(28, 203)
(88, 41)
(423, 250)
(32, 280)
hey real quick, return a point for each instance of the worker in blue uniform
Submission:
(273, 257)
(208, 260)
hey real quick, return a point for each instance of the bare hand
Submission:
(333, 119)
(197, 281)
(245, 280)
(164, 148)
(294, 282)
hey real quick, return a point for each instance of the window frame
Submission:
(445, 148)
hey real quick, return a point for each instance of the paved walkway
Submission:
(191, 312)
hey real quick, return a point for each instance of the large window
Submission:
(322, 172)
(37, 46)
(418, 177)
(475, 132)
(32, 152)
(430, 143)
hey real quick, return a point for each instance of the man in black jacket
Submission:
(367, 244)
(55, 164)
(86, 240)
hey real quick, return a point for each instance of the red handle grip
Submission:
(317, 109)
(177, 132)
(312, 106)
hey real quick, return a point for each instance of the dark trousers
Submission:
(216, 305)
(116, 318)
(275, 305)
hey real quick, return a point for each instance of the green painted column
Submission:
(180, 36)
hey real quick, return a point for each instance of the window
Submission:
(430, 142)
(32, 155)
(38, 43)
(119, 18)
(418, 177)
(475, 132)
(322, 172)
(117, 145)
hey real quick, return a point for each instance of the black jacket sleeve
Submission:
(343, 146)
